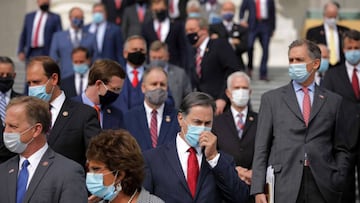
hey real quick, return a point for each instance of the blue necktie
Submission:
(22, 182)
(2, 107)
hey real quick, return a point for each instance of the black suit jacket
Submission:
(242, 149)
(317, 35)
(338, 81)
(5, 154)
(237, 31)
(75, 125)
(218, 62)
(111, 10)
(175, 40)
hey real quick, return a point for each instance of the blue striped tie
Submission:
(22, 182)
(2, 106)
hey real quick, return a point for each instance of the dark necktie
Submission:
(81, 85)
(192, 171)
(22, 182)
(2, 106)
(355, 84)
(306, 105)
(153, 128)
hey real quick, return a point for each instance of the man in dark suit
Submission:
(190, 169)
(261, 23)
(64, 42)
(154, 123)
(106, 79)
(236, 34)
(37, 173)
(300, 136)
(178, 82)
(75, 84)
(7, 77)
(214, 61)
(133, 18)
(168, 31)
(73, 123)
(330, 34)
(236, 128)
(115, 9)
(37, 32)
(109, 38)
(343, 80)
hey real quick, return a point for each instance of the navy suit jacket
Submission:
(136, 123)
(112, 117)
(61, 48)
(175, 40)
(165, 178)
(68, 86)
(112, 47)
(251, 7)
(52, 25)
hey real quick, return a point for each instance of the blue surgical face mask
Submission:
(193, 133)
(298, 72)
(324, 65)
(81, 68)
(228, 16)
(95, 185)
(353, 56)
(194, 15)
(98, 17)
(40, 92)
(13, 142)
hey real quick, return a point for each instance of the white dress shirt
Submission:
(56, 105)
(41, 33)
(100, 33)
(350, 69)
(77, 78)
(235, 113)
(34, 161)
(130, 74)
(165, 28)
(72, 34)
(159, 115)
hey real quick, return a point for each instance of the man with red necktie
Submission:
(344, 80)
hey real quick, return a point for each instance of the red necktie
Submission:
(37, 29)
(158, 32)
(198, 62)
(135, 80)
(240, 124)
(97, 108)
(140, 13)
(171, 6)
(153, 128)
(117, 4)
(355, 84)
(306, 105)
(192, 171)
(258, 9)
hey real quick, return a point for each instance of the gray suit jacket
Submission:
(130, 22)
(179, 83)
(282, 139)
(56, 179)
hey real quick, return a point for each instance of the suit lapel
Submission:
(60, 122)
(165, 124)
(290, 100)
(319, 99)
(40, 171)
(346, 84)
(204, 170)
(68, 39)
(229, 122)
(249, 121)
(173, 159)
(13, 168)
(144, 127)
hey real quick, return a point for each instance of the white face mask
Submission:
(13, 143)
(240, 97)
(330, 22)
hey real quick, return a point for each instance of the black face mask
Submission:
(193, 37)
(137, 58)
(108, 98)
(141, 2)
(161, 15)
(6, 84)
(44, 7)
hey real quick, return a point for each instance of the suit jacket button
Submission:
(301, 161)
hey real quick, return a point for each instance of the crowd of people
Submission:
(151, 103)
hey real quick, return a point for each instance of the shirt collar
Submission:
(159, 110)
(182, 146)
(298, 87)
(58, 101)
(244, 112)
(203, 45)
(35, 158)
(86, 100)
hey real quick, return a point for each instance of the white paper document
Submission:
(270, 184)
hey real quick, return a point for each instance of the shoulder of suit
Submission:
(64, 161)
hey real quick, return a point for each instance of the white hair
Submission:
(237, 74)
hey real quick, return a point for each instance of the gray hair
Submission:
(126, 44)
(237, 74)
(196, 99)
(313, 49)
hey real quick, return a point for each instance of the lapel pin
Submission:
(65, 113)
(45, 163)
(207, 50)
(321, 96)
(108, 110)
(11, 170)
(167, 119)
(251, 118)
(322, 32)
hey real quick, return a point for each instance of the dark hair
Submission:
(196, 99)
(81, 49)
(7, 60)
(104, 69)
(352, 34)
(36, 110)
(120, 152)
(313, 49)
(49, 65)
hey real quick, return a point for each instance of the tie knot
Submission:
(240, 115)
(355, 70)
(192, 150)
(305, 90)
(135, 72)
(25, 164)
(154, 112)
